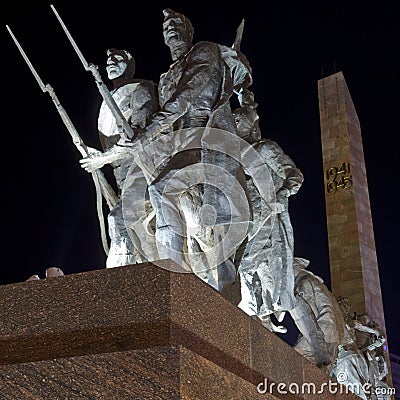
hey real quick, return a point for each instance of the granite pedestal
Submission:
(141, 332)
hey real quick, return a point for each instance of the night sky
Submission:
(48, 200)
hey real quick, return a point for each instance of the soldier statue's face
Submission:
(174, 31)
(116, 66)
(243, 126)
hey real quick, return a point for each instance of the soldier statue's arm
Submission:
(98, 160)
(284, 167)
(143, 102)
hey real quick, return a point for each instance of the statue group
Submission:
(198, 184)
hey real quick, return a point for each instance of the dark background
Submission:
(48, 201)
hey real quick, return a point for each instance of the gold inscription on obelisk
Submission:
(338, 178)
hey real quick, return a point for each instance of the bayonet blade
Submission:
(71, 39)
(21, 50)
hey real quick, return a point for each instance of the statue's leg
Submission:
(169, 224)
(248, 301)
(138, 214)
(198, 262)
(226, 270)
(281, 261)
(263, 287)
(121, 251)
(307, 324)
(229, 208)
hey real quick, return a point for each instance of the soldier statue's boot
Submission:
(321, 354)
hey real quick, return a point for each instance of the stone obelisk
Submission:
(352, 254)
(353, 261)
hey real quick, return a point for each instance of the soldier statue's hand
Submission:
(284, 192)
(91, 164)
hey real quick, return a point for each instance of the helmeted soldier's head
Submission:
(177, 28)
(246, 118)
(120, 66)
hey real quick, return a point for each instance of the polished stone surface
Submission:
(137, 332)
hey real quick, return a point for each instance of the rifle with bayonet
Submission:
(101, 184)
(124, 128)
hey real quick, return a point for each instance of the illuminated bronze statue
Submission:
(137, 100)
(193, 93)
